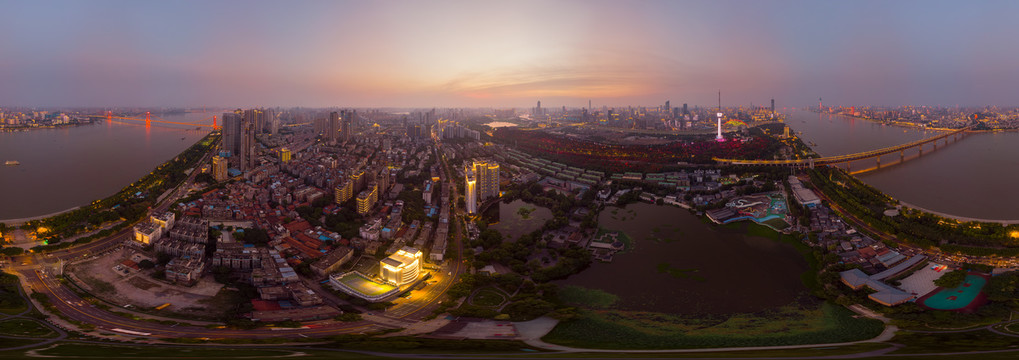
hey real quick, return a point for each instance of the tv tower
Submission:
(719, 136)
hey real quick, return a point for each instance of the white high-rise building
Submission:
(470, 192)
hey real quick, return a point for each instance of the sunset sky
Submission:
(506, 53)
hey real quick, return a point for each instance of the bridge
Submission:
(846, 159)
(148, 120)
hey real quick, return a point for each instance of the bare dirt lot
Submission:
(139, 289)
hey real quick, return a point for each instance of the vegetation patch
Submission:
(132, 352)
(488, 297)
(592, 298)
(25, 328)
(665, 268)
(642, 330)
(525, 212)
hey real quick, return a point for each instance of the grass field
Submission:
(96, 351)
(641, 330)
(488, 297)
(26, 328)
(592, 298)
(365, 286)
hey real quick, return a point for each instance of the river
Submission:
(73, 166)
(972, 178)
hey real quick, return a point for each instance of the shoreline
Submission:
(913, 126)
(22, 221)
(955, 217)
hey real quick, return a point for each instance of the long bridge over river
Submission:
(846, 159)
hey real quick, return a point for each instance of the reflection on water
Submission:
(69, 167)
(516, 218)
(973, 177)
(682, 265)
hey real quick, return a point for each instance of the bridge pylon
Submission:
(148, 120)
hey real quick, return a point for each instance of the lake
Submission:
(517, 218)
(681, 265)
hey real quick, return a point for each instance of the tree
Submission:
(146, 264)
(12, 251)
(952, 279)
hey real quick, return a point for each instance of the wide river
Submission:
(974, 177)
(69, 167)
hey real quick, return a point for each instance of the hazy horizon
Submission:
(494, 54)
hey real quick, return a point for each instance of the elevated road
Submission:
(829, 160)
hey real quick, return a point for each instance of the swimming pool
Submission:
(958, 297)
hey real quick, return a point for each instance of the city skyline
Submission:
(463, 54)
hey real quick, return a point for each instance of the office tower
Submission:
(333, 132)
(685, 110)
(668, 108)
(486, 172)
(219, 167)
(470, 191)
(772, 105)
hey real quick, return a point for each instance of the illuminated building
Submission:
(403, 267)
(470, 192)
(219, 167)
(284, 155)
(164, 220)
(367, 198)
(487, 174)
(344, 192)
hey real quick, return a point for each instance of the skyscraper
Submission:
(470, 191)
(231, 133)
(333, 130)
(773, 105)
(349, 117)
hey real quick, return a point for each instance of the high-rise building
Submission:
(367, 198)
(273, 121)
(284, 154)
(219, 168)
(685, 110)
(248, 156)
(334, 127)
(470, 191)
(358, 180)
(486, 172)
(344, 191)
(349, 119)
(772, 105)
(232, 133)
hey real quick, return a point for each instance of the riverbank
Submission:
(22, 221)
(956, 217)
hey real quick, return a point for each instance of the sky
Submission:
(507, 53)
